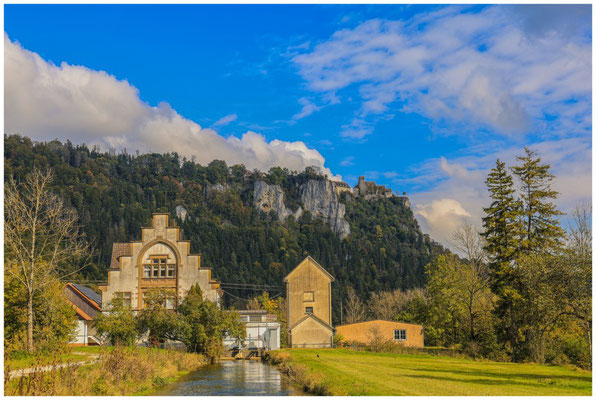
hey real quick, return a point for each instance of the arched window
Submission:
(159, 263)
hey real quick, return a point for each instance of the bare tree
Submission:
(355, 308)
(470, 243)
(580, 228)
(41, 237)
(473, 277)
(387, 305)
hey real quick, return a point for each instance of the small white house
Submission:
(262, 331)
(87, 305)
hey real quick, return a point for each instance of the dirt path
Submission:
(26, 371)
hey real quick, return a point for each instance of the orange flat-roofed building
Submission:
(410, 335)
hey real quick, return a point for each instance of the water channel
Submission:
(233, 378)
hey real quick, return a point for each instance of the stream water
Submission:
(233, 378)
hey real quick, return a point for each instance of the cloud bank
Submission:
(504, 69)
(45, 101)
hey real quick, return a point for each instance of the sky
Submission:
(420, 98)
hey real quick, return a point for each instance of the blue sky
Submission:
(420, 98)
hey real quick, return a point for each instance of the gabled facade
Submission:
(87, 304)
(308, 291)
(160, 260)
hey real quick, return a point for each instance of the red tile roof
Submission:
(119, 250)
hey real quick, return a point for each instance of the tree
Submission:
(473, 288)
(160, 323)
(355, 310)
(118, 324)
(501, 225)
(54, 322)
(540, 230)
(204, 325)
(461, 302)
(41, 238)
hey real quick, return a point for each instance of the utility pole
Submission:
(341, 313)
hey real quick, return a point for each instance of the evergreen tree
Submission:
(541, 230)
(502, 226)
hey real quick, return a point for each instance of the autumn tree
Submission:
(41, 238)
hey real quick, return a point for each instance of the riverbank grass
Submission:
(348, 372)
(20, 360)
(116, 371)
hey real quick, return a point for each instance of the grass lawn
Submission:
(82, 353)
(347, 372)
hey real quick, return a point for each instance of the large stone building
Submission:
(308, 291)
(160, 260)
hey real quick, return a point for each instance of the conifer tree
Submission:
(501, 224)
(540, 230)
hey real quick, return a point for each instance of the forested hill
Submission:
(116, 194)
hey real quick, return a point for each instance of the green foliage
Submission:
(460, 306)
(118, 324)
(54, 318)
(502, 226)
(160, 323)
(204, 325)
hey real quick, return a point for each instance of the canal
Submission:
(233, 378)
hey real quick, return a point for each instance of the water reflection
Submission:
(233, 378)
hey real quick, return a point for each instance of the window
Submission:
(309, 296)
(159, 268)
(255, 318)
(399, 334)
(308, 310)
(171, 271)
(168, 299)
(125, 297)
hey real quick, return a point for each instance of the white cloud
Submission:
(498, 68)
(347, 162)
(308, 108)
(441, 217)
(44, 101)
(225, 120)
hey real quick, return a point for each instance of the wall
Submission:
(363, 332)
(310, 333)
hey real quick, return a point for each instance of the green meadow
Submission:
(347, 372)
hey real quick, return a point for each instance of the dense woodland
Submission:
(115, 194)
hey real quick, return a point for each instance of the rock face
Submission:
(271, 197)
(320, 198)
(181, 213)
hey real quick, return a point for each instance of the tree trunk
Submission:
(30, 323)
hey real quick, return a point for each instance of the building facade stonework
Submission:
(159, 261)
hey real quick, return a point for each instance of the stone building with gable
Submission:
(159, 261)
(308, 291)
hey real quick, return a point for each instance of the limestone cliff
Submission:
(317, 196)
(320, 198)
(271, 197)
